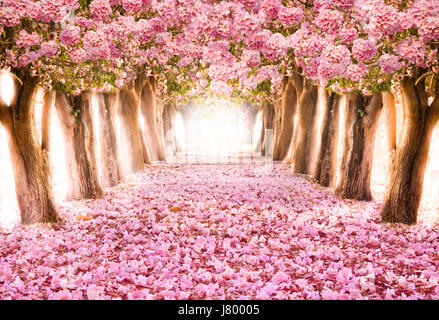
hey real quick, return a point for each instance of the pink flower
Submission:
(48, 49)
(132, 5)
(27, 40)
(100, 9)
(78, 55)
(290, 16)
(389, 63)
(429, 29)
(348, 35)
(62, 295)
(27, 58)
(364, 50)
(412, 50)
(356, 71)
(70, 36)
(94, 292)
(271, 8)
(329, 21)
(251, 58)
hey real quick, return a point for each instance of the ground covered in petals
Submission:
(238, 230)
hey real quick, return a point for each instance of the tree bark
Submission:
(288, 105)
(407, 169)
(129, 117)
(306, 120)
(169, 126)
(277, 124)
(111, 165)
(389, 108)
(268, 123)
(30, 162)
(251, 115)
(46, 119)
(149, 110)
(77, 124)
(326, 159)
(362, 114)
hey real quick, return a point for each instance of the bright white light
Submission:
(217, 128)
(7, 87)
(179, 129)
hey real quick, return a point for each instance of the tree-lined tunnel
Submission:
(204, 149)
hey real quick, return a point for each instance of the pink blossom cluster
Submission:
(50, 10)
(329, 21)
(271, 8)
(251, 58)
(276, 47)
(389, 63)
(384, 20)
(356, 72)
(48, 49)
(132, 5)
(412, 50)
(70, 36)
(78, 55)
(27, 40)
(364, 50)
(100, 9)
(290, 16)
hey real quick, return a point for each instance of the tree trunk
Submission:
(268, 124)
(159, 124)
(362, 114)
(169, 126)
(262, 139)
(46, 119)
(389, 108)
(129, 117)
(326, 160)
(407, 169)
(111, 166)
(252, 114)
(149, 110)
(29, 162)
(306, 120)
(77, 124)
(288, 105)
(277, 124)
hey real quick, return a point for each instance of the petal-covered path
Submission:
(238, 230)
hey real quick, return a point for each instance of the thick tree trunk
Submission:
(305, 126)
(149, 110)
(326, 159)
(46, 119)
(289, 103)
(129, 116)
(29, 162)
(407, 169)
(111, 166)
(268, 124)
(77, 124)
(362, 114)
